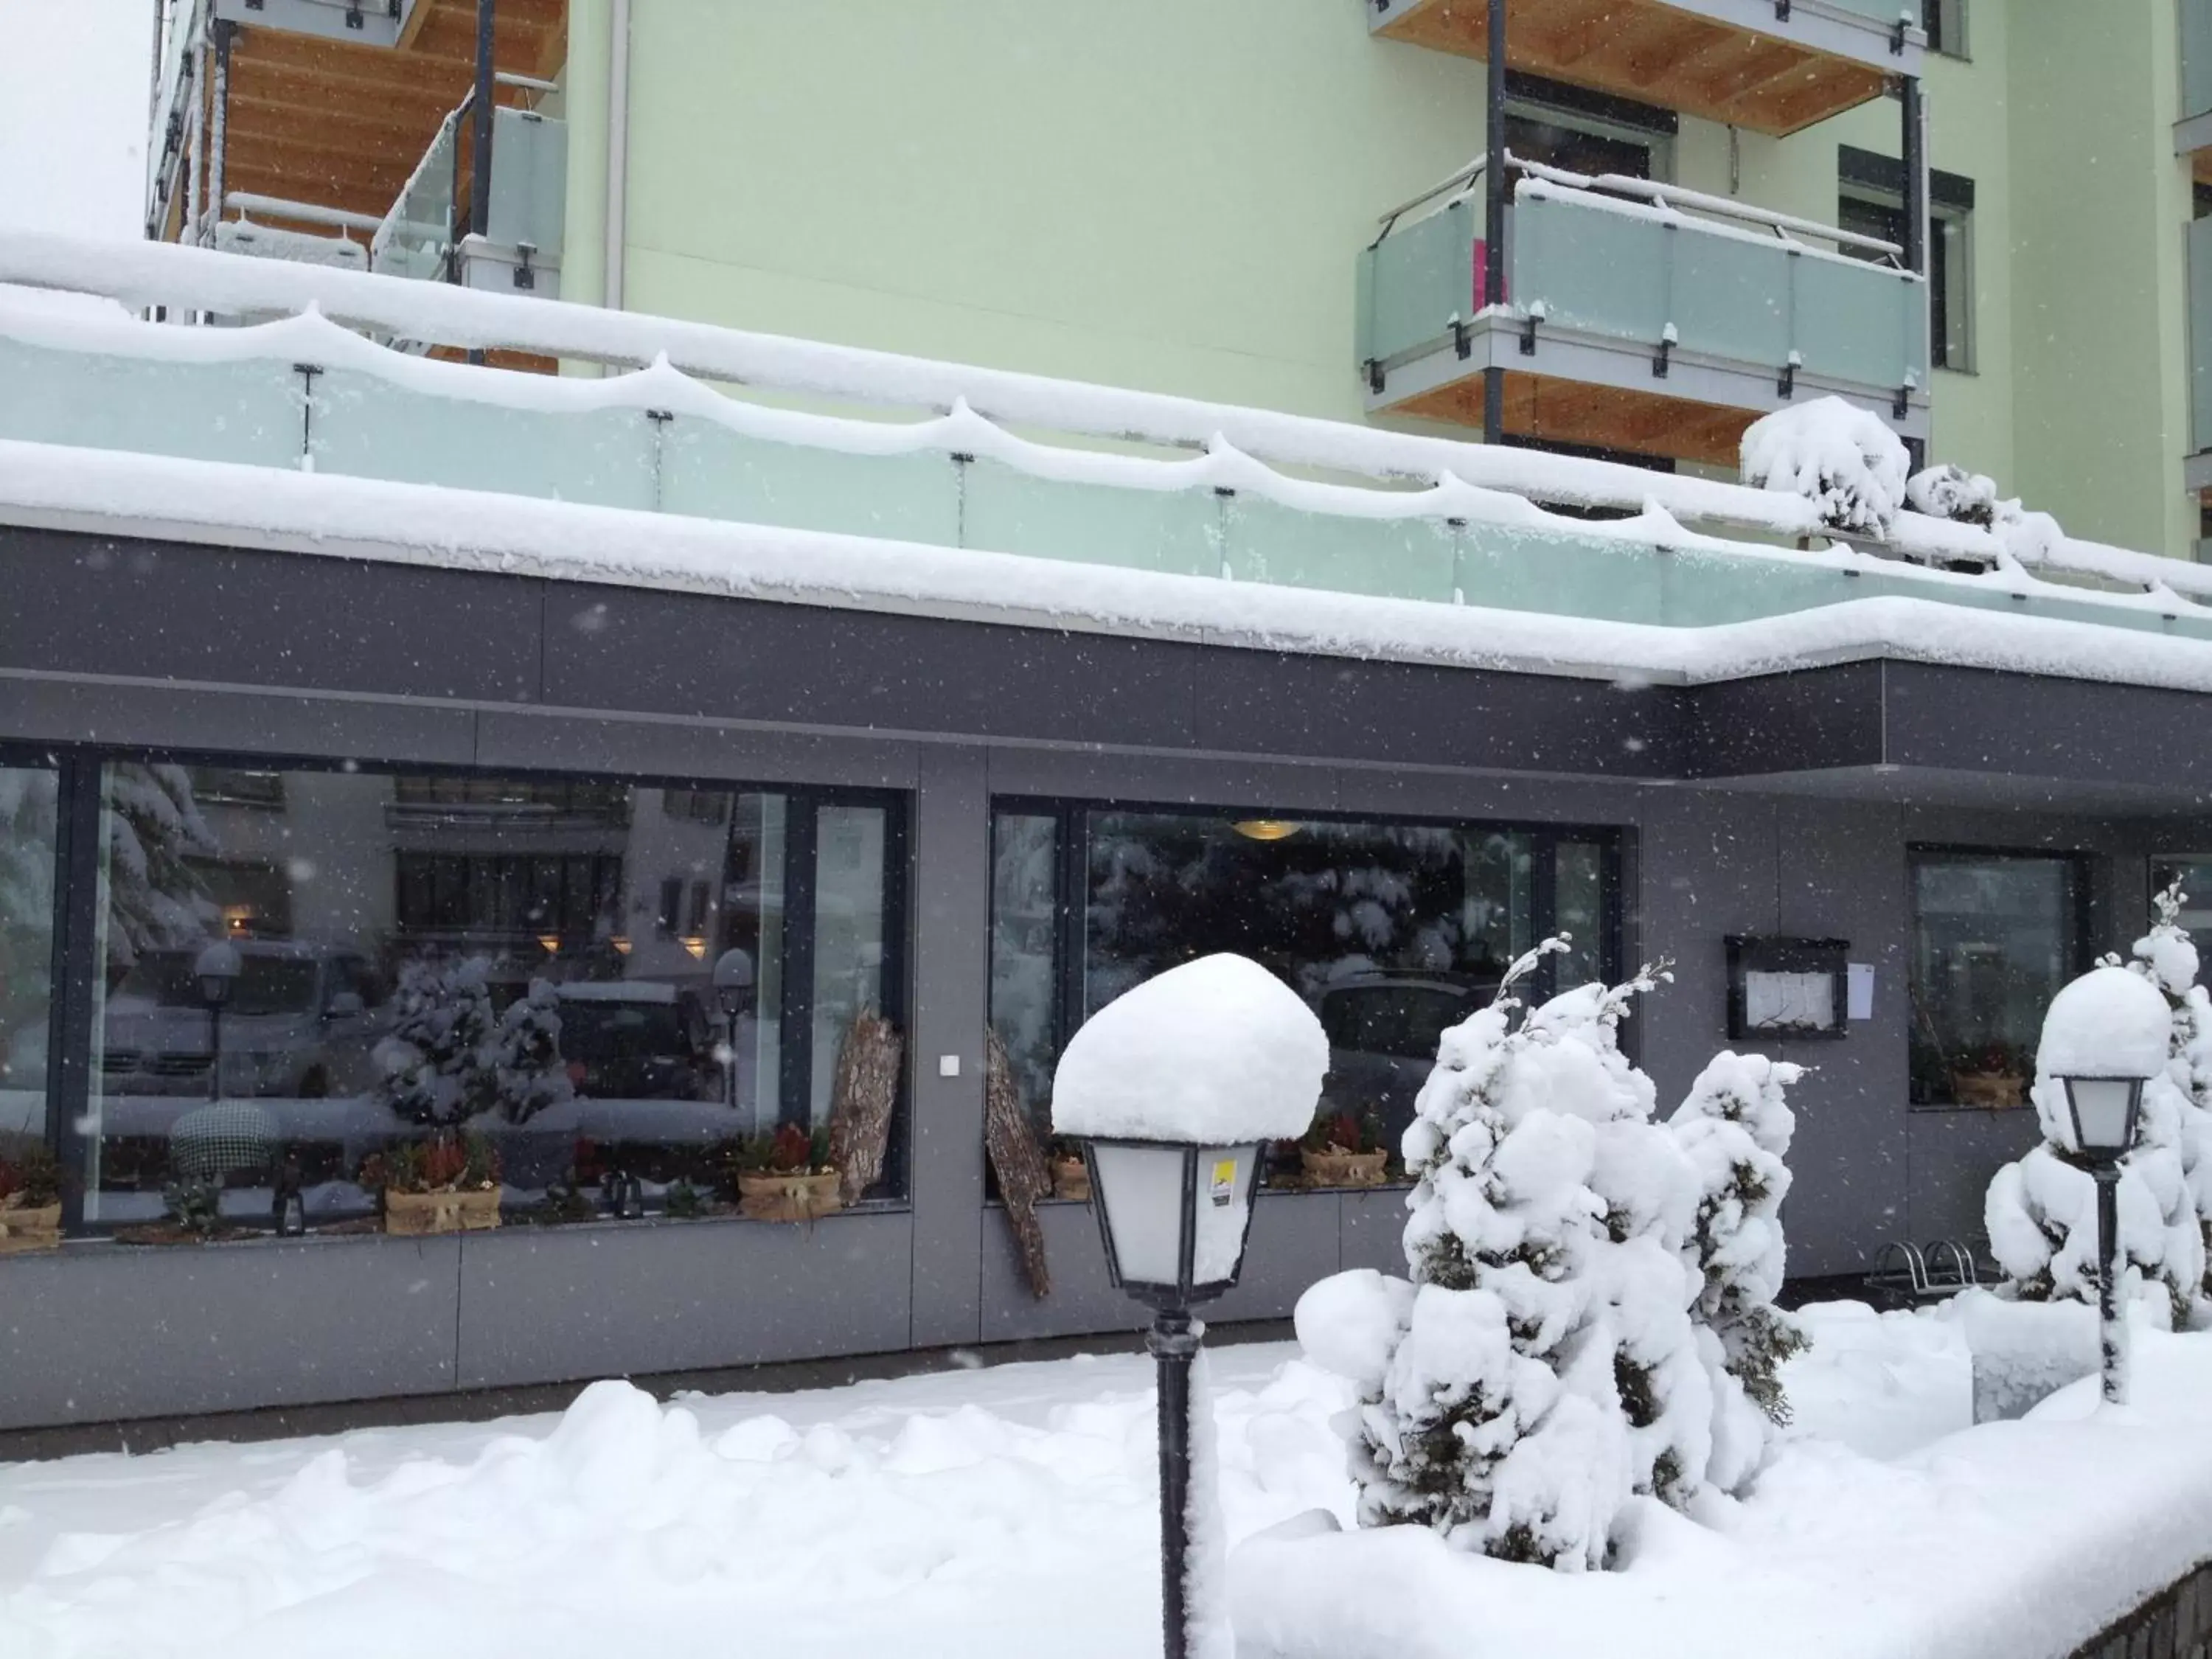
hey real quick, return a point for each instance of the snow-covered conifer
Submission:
(1840, 457)
(528, 1073)
(437, 1066)
(1540, 1368)
(1734, 1127)
(156, 899)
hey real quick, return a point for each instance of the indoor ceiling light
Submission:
(1264, 828)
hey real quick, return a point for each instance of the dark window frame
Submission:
(1071, 875)
(1871, 180)
(2079, 945)
(72, 1036)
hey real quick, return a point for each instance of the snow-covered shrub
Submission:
(1734, 1127)
(1837, 456)
(1952, 492)
(155, 899)
(437, 1066)
(528, 1073)
(2167, 958)
(1540, 1367)
(2040, 1213)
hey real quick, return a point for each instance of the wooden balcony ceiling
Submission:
(342, 126)
(1656, 53)
(1597, 417)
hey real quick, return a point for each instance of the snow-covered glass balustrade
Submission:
(1774, 66)
(528, 959)
(426, 234)
(1635, 316)
(1250, 505)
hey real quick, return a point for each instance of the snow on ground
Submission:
(1010, 1511)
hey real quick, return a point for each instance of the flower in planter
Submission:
(443, 1163)
(1343, 1133)
(31, 1180)
(792, 1150)
(194, 1206)
(685, 1202)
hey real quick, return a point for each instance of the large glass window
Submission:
(531, 958)
(1392, 931)
(27, 952)
(1994, 937)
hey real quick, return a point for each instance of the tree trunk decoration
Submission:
(866, 1096)
(1017, 1160)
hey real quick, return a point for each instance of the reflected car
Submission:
(301, 1022)
(637, 1040)
(1384, 1030)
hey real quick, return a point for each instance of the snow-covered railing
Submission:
(311, 364)
(1673, 198)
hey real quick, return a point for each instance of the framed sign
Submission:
(1786, 988)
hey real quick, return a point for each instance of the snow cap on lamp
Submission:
(2110, 1023)
(1218, 1050)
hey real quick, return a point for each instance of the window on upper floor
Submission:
(1587, 132)
(1945, 20)
(1871, 202)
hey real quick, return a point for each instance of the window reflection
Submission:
(1994, 937)
(28, 798)
(528, 959)
(1392, 931)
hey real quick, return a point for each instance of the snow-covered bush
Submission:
(2167, 958)
(1952, 492)
(438, 1064)
(2040, 1213)
(1837, 456)
(1540, 1367)
(528, 1073)
(155, 898)
(1734, 1127)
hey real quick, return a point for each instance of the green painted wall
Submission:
(1169, 195)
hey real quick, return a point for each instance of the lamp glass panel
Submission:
(1226, 1176)
(2100, 1111)
(1142, 1189)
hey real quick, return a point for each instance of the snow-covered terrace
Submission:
(315, 423)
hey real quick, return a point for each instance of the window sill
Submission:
(1945, 1108)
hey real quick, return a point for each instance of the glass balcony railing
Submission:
(2200, 334)
(1769, 307)
(424, 235)
(2195, 59)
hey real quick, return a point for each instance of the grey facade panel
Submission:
(557, 740)
(275, 723)
(102, 1331)
(1295, 1241)
(215, 617)
(673, 653)
(951, 909)
(1274, 703)
(2083, 731)
(1374, 1229)
(546, 1304)
(1953, 1154)
(1817, 717)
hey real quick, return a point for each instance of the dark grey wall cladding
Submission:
(2086, 730)
(1819, 717)
(101, 1331)
(541, 1304)
(1295, 1241)
(217, 616)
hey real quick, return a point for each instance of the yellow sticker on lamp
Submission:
(1225, 1181)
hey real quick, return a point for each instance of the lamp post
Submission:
(2105, 1111)
(2106, 1035)
(1174, 1090)
(733, 989)
(216, 968)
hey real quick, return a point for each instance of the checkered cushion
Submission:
(210, 1142)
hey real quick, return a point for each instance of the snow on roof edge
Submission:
(224, 504)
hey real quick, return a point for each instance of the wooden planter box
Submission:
(1071, 1180)
(24, 1229)
(1993, 1090)
(1340, 1168)
(414, 1215)
(769, 1197)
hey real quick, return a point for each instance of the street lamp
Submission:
(216, 968)
(2106, 1035)
(733, 989)
(1174, 1090)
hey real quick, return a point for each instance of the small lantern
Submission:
(1175, 1216)
(217, 968)
(733, 982)
(2105, 1110)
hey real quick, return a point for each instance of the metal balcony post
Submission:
(220, 134)
(480, 115)
(1494, 186)
(1916, 177)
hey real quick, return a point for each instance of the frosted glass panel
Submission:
(248, 412)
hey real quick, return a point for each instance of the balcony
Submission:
(301, 432)
(2192, 133)
(425, 234)
(1636, 317)
(309, 128)
(1774, 66)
